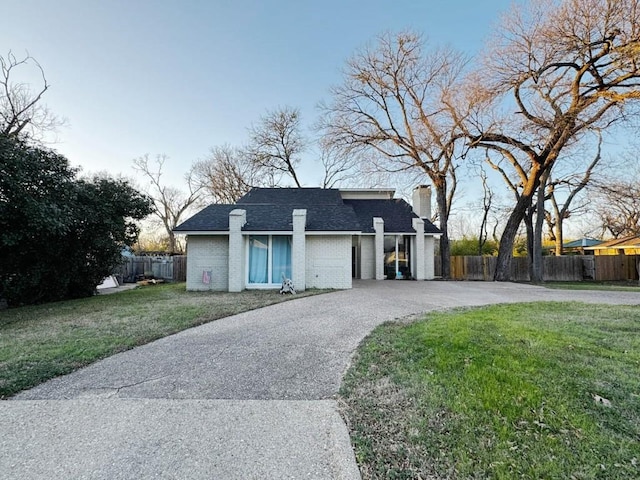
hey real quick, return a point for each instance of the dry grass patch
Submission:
(44, 341)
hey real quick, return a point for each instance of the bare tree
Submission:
(339, 166)
(499, 162)
(617, 205)
(228, 173)
(395, 100)
(22, 112)
(487, 203)
(615, 195)
(562, 191)
(276, 142)
(170, 204)
(568, 66)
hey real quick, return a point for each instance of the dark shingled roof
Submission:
(271, 209)
(214, 218)
(274, 217)
(397, 215)
(305, 197)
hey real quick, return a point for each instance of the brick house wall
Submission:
(367, 257)
(328, 261)
(208, 253)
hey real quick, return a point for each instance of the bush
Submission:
(468, 246)
(59, 235)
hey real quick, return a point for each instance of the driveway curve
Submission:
(280, 366)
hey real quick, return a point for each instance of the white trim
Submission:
(267, 232)
(307, 232)
(369, 234)
(263, 286)
(273, 232)
(331, 232)
(200, 232)
(313, 232)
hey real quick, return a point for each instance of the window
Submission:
(269, 258)
(396, 256)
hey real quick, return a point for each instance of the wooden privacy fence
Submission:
(180, 268)
(569, 268)
(555, 269)
(616, 267)
(171, 268)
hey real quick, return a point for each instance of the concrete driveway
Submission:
(249, 396)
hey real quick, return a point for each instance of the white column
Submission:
(298, 250)
(419, 250)
(237, 220)
(378, 227)
(429, 252)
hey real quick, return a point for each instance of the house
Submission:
(320, 238)
(619, 246)
(578, 246)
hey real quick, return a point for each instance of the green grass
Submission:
(44, 341)
(500, 392)
(629, 286)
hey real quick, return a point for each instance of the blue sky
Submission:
(179, 77)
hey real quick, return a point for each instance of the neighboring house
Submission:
(319, 238)
(579, 246)
(619, 246)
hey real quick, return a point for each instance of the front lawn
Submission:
(539, 390)
(621, 286)
(44, 341)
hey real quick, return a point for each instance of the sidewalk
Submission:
(177, 439)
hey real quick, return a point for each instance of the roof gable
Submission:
(632, 241)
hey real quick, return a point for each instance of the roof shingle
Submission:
(397, 215)
(271, 209)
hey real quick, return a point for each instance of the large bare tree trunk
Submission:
(528, 222)
(505, 252)
(537, 273)
(173, 249)
(443, 215)
(559, 237)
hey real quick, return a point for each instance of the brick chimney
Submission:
(421, 199)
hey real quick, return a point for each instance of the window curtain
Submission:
(258, 258)
(281, 258)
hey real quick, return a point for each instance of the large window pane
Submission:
(390, 256)
(258, 258)
(397, 256)
(281, 258)
(404, 265)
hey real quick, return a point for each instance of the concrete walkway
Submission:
(249, 396)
